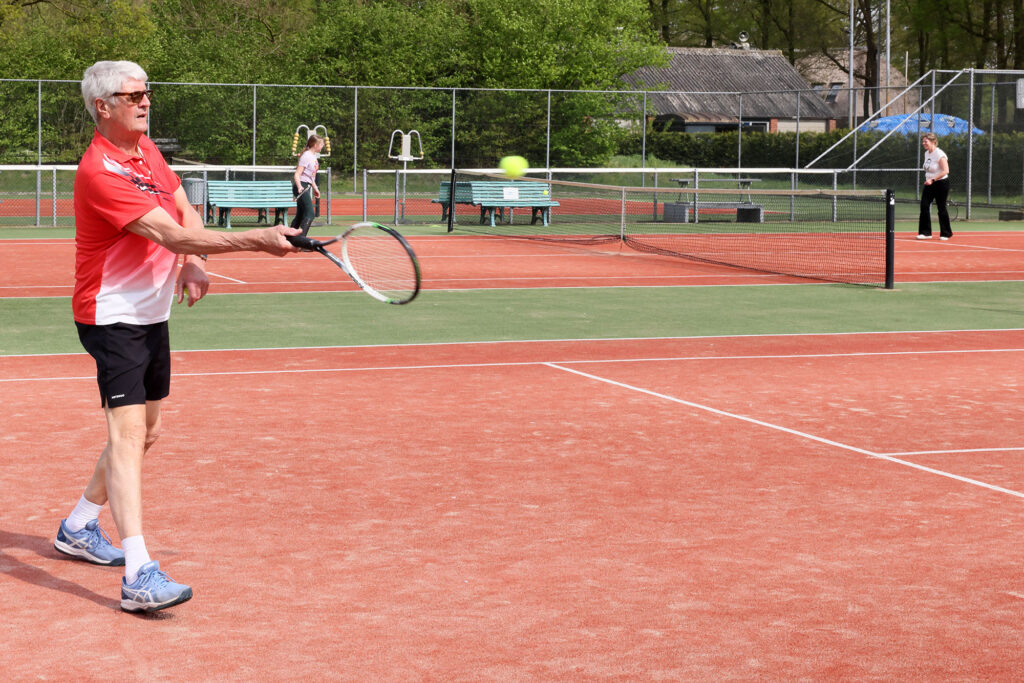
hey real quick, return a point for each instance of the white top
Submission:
(310, 163)
(931, 163)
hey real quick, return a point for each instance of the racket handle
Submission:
(303, 242)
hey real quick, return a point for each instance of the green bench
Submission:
(494, 196)
(261, 195)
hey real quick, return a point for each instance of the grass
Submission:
(44, 325)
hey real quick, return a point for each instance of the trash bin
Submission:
(195, 190)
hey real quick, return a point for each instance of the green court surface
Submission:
(43, 325)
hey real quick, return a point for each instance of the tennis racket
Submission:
(377, 258)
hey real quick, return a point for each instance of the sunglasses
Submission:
(136, 96)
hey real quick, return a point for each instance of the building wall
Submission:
(834, 85)
(806, 126)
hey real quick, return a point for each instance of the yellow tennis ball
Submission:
(514, 166)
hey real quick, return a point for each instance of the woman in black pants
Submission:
(304, 183)
(936, 188)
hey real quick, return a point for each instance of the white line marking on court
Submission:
(499, 364)
(225, 277)
(803, 435)
(948, 245)
(850, 354)
(959, 451)
(890, 457)
(563, 340)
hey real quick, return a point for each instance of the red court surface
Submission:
(779, 507)
(46, 267)
(776, 507)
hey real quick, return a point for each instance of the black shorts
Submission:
(133, 362)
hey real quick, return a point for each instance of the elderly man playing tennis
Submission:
(132, 221)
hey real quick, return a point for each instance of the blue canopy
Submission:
(944, 124)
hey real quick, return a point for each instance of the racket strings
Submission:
(382, 263)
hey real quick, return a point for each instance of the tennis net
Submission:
(829, 235)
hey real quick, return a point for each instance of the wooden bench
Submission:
(261, 195)
(494, 196)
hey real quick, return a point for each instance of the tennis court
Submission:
(561, 462)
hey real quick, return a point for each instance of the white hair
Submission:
(103, 79)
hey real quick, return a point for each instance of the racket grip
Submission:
(303, 242)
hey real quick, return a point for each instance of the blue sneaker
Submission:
(90, 544)
(152, 590)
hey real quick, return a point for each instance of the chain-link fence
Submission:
(45, 123)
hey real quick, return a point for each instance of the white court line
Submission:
(950, 244)
(560, 366)
(225, 277)
(804, 435)
(436, 366)
(562, 340)
(959, 451)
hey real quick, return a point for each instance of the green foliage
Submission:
(465, 44)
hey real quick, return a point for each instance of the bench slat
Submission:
(489, 195)
(249, 194)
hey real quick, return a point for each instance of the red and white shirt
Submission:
(121, 276)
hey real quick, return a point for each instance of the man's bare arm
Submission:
(158, 226)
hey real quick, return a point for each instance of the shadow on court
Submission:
(22, 571)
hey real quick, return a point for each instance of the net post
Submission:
(622, 217)
(397, 184)
(890, 239)
(451, 202)
(364, 195)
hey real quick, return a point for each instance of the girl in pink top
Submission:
(304, 183)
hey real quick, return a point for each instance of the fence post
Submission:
(355, 140)
(547, 142)
(39, 123)
(991, 136)
(453, 135)
(254, 124)
(643, 134)
(970, 141)
(39, 145)
(739, 136)
(796, 163)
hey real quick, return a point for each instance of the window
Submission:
(833, 92)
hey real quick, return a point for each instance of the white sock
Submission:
(83, 513)
(135, 556)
